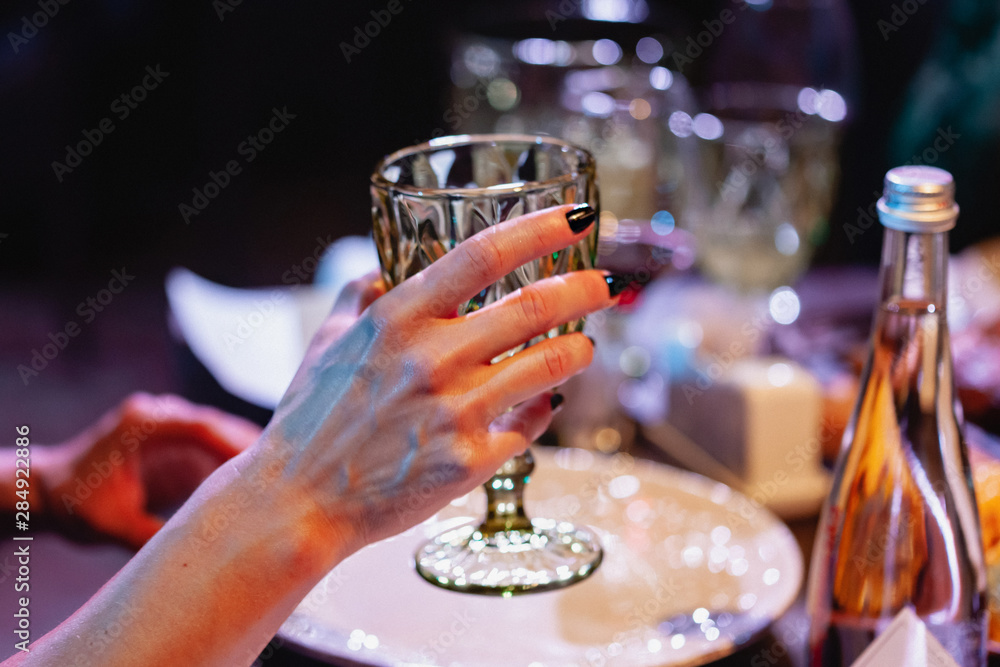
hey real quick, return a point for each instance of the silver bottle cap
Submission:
(918, 199)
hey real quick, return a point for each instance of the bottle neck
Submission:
(910, 337)
(914, 268)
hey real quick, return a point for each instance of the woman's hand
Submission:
(144, 456)
(379, 429)
(406, 411)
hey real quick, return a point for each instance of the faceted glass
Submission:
(427, 199)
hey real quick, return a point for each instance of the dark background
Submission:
(121, 204)
(60, 241)
(119, 208)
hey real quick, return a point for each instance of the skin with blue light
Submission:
(403, 398)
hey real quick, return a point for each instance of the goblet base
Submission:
(547, 556)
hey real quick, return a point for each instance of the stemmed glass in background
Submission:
(425, 200)
(773, 101)
(601, 81)
(601, 85)
(747, 159)
(768, 167)
(725, 154)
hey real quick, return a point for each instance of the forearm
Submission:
(211, 588)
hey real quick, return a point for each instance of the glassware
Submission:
(774, 99)
(595, 75)
(900, 529)
(769, 168)
(426, 199)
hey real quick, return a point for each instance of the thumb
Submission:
(359, 294)
(529, 419)
(373, 290)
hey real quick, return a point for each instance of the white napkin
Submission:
(907, 643)
(253, 340)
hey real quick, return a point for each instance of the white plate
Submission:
(674, 542)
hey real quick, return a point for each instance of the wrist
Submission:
(297, 528)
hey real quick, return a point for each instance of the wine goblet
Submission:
(427, 199)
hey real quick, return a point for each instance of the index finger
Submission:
(491, 254)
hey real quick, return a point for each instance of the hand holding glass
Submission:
(427, 199)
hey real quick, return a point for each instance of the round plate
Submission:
(691, 571)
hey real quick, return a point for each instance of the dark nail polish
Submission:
(617, 283)
(556, 400)
(581, 217)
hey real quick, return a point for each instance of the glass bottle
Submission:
(900, 529)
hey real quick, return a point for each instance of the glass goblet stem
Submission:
(505, 497)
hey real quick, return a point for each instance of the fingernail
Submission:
(556, 400)
(581, 217)
(617, 283)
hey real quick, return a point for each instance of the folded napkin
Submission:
(253, 340)
(906, 643)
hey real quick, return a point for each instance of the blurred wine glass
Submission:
(769, 167)
(595, 73)
(773, 103)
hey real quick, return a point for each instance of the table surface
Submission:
(65, 574)
(126, 351)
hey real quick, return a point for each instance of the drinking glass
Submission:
(427, 199)
(769, 169)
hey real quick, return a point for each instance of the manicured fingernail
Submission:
(556, 400)
(617, 283)
(581, 217)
